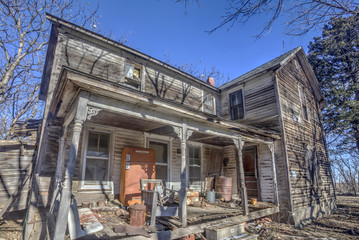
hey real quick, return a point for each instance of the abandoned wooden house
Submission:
(263, 130)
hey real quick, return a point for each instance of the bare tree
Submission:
(303, 15)
(24, 32)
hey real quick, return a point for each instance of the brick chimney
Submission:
(210, 81)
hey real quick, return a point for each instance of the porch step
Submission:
(227, 231)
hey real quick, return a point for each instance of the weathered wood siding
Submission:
(260, 102)
(15, 163)
(231, 170)
(108, 63)
(308, 163)
(265, 172)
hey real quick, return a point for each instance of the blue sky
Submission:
(161, 28)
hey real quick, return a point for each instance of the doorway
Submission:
(250, 171)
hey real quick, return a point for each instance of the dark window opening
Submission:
(236, 105)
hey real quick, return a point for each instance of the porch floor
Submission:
(198, 219)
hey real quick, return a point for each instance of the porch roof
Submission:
(137, 108)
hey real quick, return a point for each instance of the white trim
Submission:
(109, 184)
(167, 140)
(201, 151)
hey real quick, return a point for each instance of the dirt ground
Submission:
(342, 224)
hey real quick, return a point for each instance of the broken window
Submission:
(236, 105)
(194, 165)
(208, 103)
(303, 101)
(133, 74)
(97, 156)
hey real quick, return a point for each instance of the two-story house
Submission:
(263, 129)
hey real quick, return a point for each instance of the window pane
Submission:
(239, 97)
(136, 73)
(194, 174)
(96, 171)
(161, 151)
(129, 70)
(92, 147)
(104, 145)
(233, 100)
(161, 173)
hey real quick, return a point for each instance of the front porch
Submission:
(198, 220)
(96, 128)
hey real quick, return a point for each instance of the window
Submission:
(194, 166)
(236, 105)
(208, 103)
(132, 74)
(97, 156)
(161, 149)
(303, 101)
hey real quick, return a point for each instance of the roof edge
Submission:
(58, 21)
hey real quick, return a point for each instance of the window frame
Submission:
(200, 147)
(204, 99)
(162, 139)
(131, 81)
(86, 135)
(243, 104)
(304, 110)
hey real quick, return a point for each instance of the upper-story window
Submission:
(236, 105)
(303, 101)
(132, 74)
(208, 103)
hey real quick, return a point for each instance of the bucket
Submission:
(223, 185)
(137, 214)
(210, 196)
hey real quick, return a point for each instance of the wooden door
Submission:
(250, 171)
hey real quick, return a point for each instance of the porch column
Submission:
(64, 205)
(240, 172)
(274, 172)
(60, 156)
(183, 133)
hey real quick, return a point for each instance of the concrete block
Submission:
(224, 230)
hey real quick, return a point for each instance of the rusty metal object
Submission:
(137, 214)
(223, 186)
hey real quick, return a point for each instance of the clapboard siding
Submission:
(15, 163)
(260, 102)
(108, 63)
(264, 161)
(304, 139)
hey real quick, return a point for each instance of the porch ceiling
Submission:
(117, 120)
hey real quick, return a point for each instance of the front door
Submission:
(250, 171)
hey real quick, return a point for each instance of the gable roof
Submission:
(92, 36)
(278, 62)
(271, 65)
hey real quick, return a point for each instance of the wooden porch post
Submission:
(64, 205)
(183, 133)
(240, 172)
(60, 156)
(274, 172)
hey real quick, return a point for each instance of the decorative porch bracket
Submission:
(238, 142)
(64, 205)
(183, 133)
(274, 172)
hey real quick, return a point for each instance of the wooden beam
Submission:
(64, 205)
(284, 145)
(240, 174)
(274, 172)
